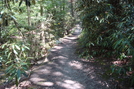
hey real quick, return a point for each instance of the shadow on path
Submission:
(66, 70)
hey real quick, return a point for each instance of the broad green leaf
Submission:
(13, 46)
(18, 75)
(17, 47)
(9, 68)
(15, 52)
(9, 62)
(30, 57)
(3, 46)
(23, 63)
(9, 54)
(27, 47)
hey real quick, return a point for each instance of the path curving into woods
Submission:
(66, 70)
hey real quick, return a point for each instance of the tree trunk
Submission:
(29, 17)
(72, 8)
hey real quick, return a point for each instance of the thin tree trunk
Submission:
(72, 8)
(41, 10)
(29, 17)
(63, 5)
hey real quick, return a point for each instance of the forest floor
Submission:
(65, 70)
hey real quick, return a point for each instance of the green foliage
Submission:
(62, 21)
(108, 29)
(14, 58)
(28, 28)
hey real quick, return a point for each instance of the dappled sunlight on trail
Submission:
(66, 70)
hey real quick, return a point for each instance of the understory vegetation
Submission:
(108, 32)
(28, 29)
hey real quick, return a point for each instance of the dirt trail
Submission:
(66, 70)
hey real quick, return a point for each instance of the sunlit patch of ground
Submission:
(66, 70)
(70, 84)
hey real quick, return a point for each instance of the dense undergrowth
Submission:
(108, 31)
(28, 29)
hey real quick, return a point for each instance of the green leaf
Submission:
(27, 47)
(17, 47)
(119, 71)
(113, 69)
(23, 63)
(3, 46)
(9, 68)
(9, 54)
(9, 62)
(13, 18)
(25, 68)
(102, 20)
(23, 49)
(18, 75)
(30, 57)
(24, 54)
(117, 43)
(12, 46)
(15, 52)
(25, 74)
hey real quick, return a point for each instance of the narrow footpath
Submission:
(66, 70)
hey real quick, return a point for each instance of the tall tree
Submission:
(72, 7)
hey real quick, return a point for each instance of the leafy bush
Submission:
(26, 33)
(107, 29)
(62, 21)
(15, 59)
